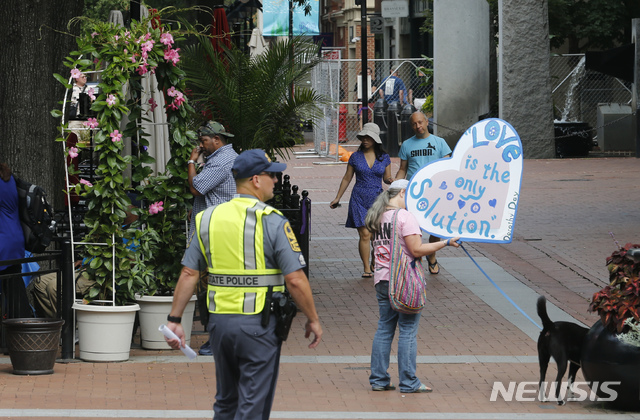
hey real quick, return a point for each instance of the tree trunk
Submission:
(35, 41)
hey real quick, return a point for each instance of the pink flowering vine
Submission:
(172, 55)
(94, 34)
(91, 123)
(111, 100)
(178, 98)
(148, 46)
(153, 103)
(156, 207)
(91, 94)
(73, 152)
(116, 136)
(142, 69)
(85, 182)
(75, 73)
(166, 39)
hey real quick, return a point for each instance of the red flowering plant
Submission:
(619, 302)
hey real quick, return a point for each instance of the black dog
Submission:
(562, 341)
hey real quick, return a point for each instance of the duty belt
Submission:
(243, 280)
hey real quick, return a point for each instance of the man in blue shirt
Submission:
(417, 152)
(393, 89)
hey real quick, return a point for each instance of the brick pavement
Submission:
(567, 209)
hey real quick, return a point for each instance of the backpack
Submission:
(36, 216)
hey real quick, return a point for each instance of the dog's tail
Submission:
(547, 324)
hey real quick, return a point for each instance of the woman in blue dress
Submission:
(371, 165)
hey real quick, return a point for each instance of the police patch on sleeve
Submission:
(293, 242)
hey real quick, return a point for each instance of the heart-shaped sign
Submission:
(483, 175)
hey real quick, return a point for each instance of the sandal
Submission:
(367, 275)
(389, 387)
(434, 268)
(422, 389)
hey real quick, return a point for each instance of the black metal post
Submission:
(363, 48)
(67, 298)
(638, 131)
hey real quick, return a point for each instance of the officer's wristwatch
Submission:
(189, 162)
(176, 319)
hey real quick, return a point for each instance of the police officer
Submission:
(249, 251)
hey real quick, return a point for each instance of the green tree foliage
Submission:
(251, 96)
(592, 24)
(583, 24)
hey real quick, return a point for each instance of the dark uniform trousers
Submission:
(247, 359)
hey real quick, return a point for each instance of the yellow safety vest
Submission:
(231, 238)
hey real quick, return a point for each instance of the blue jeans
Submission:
(407, 344)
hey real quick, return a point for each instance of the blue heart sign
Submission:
(482, 179)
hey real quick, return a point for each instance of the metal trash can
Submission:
(572, 139)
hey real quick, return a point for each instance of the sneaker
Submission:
(205, 350)
(389, 387)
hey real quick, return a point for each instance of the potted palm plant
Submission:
(252, 96)
(611, 351)
(122, 256)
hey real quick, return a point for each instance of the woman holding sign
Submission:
(379, 221)
(371, 165)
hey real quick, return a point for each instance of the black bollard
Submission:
(379, 117)
(393, 133)
(295, 197)
(286, 192)
(405, 122)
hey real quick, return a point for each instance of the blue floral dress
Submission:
(368, 186)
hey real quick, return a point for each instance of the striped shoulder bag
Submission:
(407, 282)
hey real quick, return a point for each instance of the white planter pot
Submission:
(105, 332)
(153, 313)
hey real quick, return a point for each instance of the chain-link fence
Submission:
(341, 80)
(578, 94)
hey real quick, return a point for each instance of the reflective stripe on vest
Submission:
(232, 239)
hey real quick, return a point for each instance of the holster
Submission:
(285, 309)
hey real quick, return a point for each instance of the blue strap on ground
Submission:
(500, 290)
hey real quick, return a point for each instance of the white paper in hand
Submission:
(188, 351)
